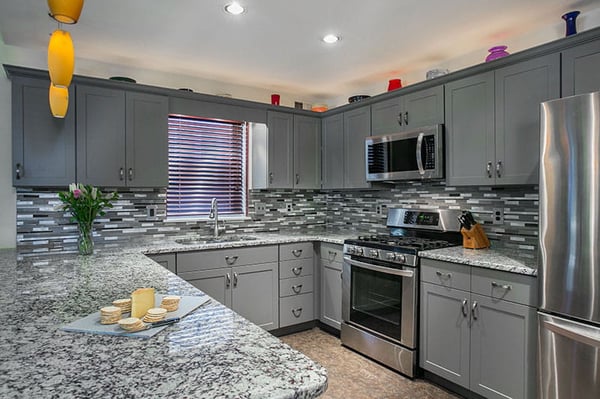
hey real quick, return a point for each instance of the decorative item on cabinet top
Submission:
(570, 21)
(496, 52)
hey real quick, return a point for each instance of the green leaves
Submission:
(85, 202)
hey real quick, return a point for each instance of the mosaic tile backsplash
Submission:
(41, 229)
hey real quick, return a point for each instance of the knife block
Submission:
(475, 237)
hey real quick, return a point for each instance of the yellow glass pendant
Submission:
(61, 58)
(59, 101)
(65, 11)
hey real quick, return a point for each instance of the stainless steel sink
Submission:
(210, 240)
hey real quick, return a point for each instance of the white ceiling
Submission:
(276, 45)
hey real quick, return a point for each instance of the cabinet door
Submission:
(580, 69)
(470, 130)
(255, 294)
(214, 282)
(387, 116)
(445, 333)
(357, 126)
(503, 348)
(307, 152)
(331, 293)
(43, 146)
(281, 150)
(520, 89)
(332, 152)
(100, 136)
(147, 140)
(423, 108)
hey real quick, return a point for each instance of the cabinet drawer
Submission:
(295, 309)
(213, 259)
(299, 250)
(450, 275)
(295, 286)
(296, 268)
(332, 252)
(503, 285)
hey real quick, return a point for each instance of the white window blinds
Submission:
(207, 159)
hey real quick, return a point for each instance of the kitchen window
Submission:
(207, 159)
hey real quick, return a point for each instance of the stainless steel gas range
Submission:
(380, 282)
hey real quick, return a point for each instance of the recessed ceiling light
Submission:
(234, 8)
(331, 38)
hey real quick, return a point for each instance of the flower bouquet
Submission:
(85, 203)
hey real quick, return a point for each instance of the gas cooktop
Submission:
(399, 243)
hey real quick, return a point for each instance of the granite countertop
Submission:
(211, 353)
(498, 259)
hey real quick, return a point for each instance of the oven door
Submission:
(380, 299)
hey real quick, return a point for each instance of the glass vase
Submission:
(570, 19)
(85, 244)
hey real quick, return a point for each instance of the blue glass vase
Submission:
(570, 19)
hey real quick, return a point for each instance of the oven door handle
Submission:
(381, 269)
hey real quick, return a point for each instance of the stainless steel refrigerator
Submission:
(569, 273)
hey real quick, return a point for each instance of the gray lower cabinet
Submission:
(43, 146)
(168, 261)
(331, 285)
(580, 69)
(332, 152)
(296, 284)
(478, 328)
(121, 138)
(357, 127)
(410, 111)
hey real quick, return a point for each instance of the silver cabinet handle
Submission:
(488, 169)
(230, 260)
(446, 275)
(271, 178)
(227, 280)
(406, 118)
(18, 171)
(499, 168)
(297, 252)
(297, 270)
(474, 310)
(332, 255)
(130, 174)
(235, 280)
(297, 288)
(297, 178)
(418, 154)
(506, 287)
(400, 118)
(297, 312)
(465, 307)
(121, 174)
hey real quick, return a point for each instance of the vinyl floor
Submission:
(354, 376)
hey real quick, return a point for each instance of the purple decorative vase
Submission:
(496, 52)
(570, 18)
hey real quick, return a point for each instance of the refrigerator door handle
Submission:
(571, 332)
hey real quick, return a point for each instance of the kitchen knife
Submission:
(470, 218)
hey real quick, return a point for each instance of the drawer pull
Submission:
(297, 252)
(465, 307)
(297, 270)
(506, 287)
(297, 312)
(332, 255)
(231, 259)
(297, 288)
(227, 280)
(444, 275)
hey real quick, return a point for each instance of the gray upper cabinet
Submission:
(281, 150)
(332, 152)
(121, 138)
(43, 146)
(580, 69)
(410, 111)
(493, 123)
(357, 127)
(307, 152)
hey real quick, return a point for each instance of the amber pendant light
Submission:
(65, 11)
(61, 58)
(58, 97)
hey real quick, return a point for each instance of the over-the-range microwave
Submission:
(410, 155)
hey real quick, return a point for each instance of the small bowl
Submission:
(186, 89)
(434, 73)
(354, 99)
(122, 79)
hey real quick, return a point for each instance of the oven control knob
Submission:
(391, 256)
(374, 253)
(351, 250)
(400, 258)
(359, 251)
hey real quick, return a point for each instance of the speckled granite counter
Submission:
(499, 259)
(211, 353)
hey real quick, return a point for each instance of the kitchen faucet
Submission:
(214, 214)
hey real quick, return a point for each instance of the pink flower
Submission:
(77, 193)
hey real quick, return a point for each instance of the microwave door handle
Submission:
(419, 159)
(381, 269)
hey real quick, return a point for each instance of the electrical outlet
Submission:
(288, 207)
(498, 216)
(151, 211)
(379, 209)
(260, 209)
